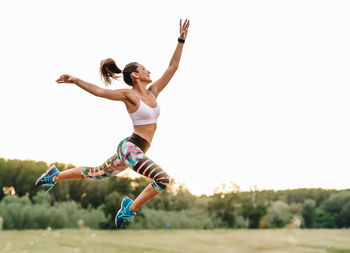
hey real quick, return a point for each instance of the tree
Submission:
(337, 206)
(308, 212)
(223, 207)
(110, 207)
(345, 215)
(323, 219)
(278, 215)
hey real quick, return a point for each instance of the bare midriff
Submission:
(146, 131)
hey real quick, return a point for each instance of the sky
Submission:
(260, 99)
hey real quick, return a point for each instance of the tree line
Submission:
(94, 204)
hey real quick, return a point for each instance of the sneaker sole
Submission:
(37, 181)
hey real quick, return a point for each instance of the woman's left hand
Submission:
(184, 29)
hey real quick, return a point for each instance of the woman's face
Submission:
(144, 74)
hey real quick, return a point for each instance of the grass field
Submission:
(155, 241)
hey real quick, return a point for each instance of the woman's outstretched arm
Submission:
(160, 84)
(119, 95)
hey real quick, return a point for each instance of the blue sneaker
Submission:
(124, 214)
(46, 179)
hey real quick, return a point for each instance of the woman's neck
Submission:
(140, 88)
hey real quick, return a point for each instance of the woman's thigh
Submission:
(111, 167)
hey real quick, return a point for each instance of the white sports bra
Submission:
(145, 114)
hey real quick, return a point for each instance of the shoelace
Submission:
(47, 181)
(125, 216)
(49, 189)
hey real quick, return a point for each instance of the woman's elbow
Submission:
(173, 67)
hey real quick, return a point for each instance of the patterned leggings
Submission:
(129, 155)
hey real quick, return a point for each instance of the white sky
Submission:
(261, 96)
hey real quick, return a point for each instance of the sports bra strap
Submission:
(150, 92)
(135, 94)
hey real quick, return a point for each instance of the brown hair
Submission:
(109, 69)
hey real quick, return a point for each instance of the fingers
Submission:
(62, 78)
(185, 25)
(59, 80)
(180, 25)
(188, 24)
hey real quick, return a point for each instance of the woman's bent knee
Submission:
(161, 183)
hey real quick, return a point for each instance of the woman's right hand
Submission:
(66, 79)
(184, 29)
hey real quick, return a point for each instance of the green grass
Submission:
(186, 241)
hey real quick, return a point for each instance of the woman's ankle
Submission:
(132, 208)
(56, 178)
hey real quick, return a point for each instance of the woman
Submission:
(144, 110)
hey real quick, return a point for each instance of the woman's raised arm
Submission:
(160, 84)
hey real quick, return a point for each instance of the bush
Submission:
(278, 215)
(324, 219)
(240, 222)
(345, 215)
(21, 213)
(308, 212)
(338, 205)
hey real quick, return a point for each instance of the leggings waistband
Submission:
(139, 141)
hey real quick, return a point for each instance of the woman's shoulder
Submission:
(129, 95)
(117, 94)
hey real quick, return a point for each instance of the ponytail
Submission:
(108, 70)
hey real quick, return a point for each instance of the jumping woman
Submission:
(141, 104)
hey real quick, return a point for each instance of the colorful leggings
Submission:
(129, 155)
